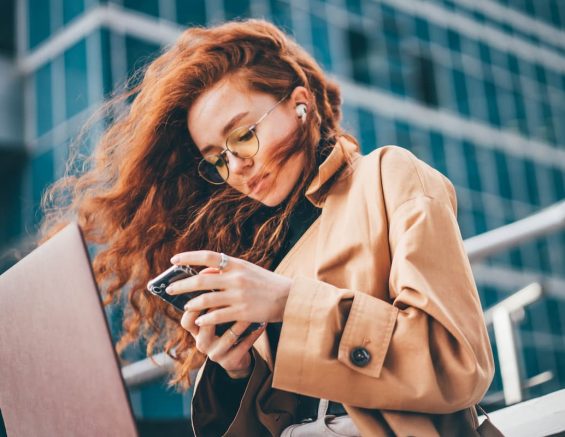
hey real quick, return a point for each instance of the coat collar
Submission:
(342, 150)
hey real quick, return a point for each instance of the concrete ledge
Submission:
(541, 416)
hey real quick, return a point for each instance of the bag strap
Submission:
(487, 428)
(481, 409)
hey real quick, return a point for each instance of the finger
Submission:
(209, 270)
(187, 322)
(237, 351)
(218, 316)
(197, 283)
(211, 300)
(227, 340)
(207, 258)
(205, 339)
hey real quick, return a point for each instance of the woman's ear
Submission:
(300, 95)
(300, 101)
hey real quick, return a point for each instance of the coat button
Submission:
(360, 356)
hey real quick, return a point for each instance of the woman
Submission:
(231, 157)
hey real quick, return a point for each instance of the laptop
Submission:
(59, 373)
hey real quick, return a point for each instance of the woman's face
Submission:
(232, 105)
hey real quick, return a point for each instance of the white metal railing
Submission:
(548, 220)
(502, 315)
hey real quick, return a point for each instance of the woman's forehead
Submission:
(215, 107)
(223, 97)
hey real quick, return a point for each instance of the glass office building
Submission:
(476, 88)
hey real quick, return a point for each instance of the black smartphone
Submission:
(158, 285)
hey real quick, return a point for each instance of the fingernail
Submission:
(169, 289)
(198, 321)
(175, 259)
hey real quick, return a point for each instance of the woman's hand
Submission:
(248, 293)
(235, 359)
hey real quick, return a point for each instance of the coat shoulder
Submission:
(402, 176)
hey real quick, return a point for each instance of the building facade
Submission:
(476, 88)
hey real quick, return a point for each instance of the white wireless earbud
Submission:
(301, 111)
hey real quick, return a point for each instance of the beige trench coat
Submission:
(382, 273)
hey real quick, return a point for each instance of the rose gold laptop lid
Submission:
(59, 374)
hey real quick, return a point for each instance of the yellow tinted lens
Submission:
(243, 142)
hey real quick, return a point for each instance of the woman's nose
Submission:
(239, 165)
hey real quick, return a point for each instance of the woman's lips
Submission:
(259, 185)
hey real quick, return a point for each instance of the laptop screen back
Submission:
(59, 373)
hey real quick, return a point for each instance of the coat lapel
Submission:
(342, 151)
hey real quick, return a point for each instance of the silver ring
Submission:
(233, 333)
(223, 261)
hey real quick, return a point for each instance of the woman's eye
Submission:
(245, 136)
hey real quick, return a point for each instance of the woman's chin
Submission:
(269, 199)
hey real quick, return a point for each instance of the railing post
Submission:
(500, 316)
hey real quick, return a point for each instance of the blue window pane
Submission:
(480, 221)
(543, 253)
(149, 7)
(422, 29)
(389, 26)
(358, 45)
(425, 83)
(237, 9)
(484, 52)
(554, 14)
(397, 78)
(191, 12)
(42, 171)
(366, 130)
(531, 182)
(461, 92)
(106, 64)
(513, 64)
(72, 9)
(12, 162)
(39, 21)
(76, 79)
(438, 152)
(453, 40)
(281, 14)
(472, 166)
(355, 6)
(540, 74)
(504, 184)
(43, 100)
(521, 121)
(320, 41)
(547, 128)
(139, 53)
(492, 104)
(557, 179)
(403, 134)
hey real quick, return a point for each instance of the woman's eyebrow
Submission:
(226, 130)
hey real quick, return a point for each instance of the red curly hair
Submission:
(141, 198)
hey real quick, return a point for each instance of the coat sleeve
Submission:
(427, 344)
(259, 410)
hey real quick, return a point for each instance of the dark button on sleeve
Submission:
(360, 356)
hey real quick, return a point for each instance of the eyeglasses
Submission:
(242, 142)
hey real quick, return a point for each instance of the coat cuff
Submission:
(369, 326)
(322, 326)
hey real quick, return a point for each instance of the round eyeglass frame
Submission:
(222, 156)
